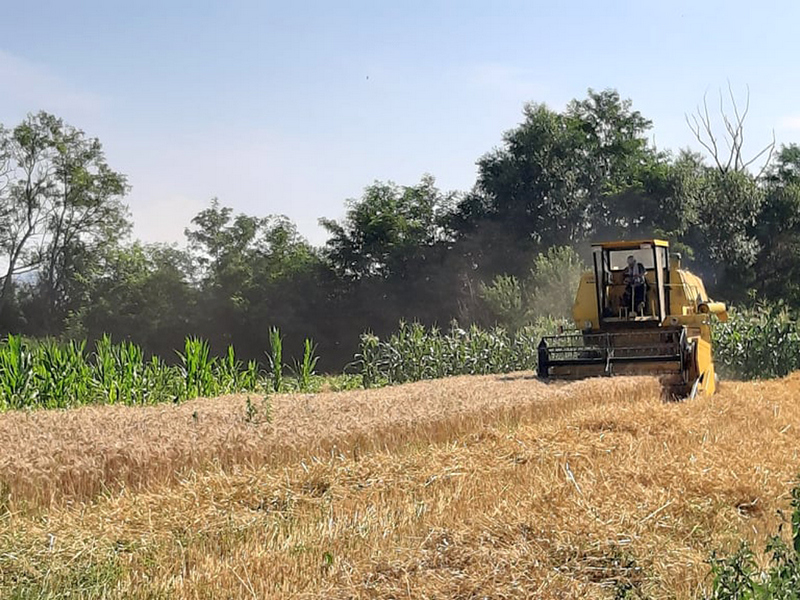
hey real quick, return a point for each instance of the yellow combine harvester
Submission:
(638, 313)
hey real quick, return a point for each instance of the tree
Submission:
(785, 170)
(392, 260)
(709, 217)
(777, 229)
(507, 302)
(143, 293)
(616, 156)
(728, 199)
(60, 205)
(231, 251)
(387, 231)
(254, 273)
(559, 177)
(531, 185)
(547, 291)
(554, 278)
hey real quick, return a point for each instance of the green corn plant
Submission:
(48, 374)
(233, 376)
(118, 372)
(161, 383)
(226, 371)
(758, 343)
(130, 370)
(105, 369)
(249, 378)
(63, 374)
(276, 359)
(17, 386)
(197, 369)
(304, 369)
(368, 359)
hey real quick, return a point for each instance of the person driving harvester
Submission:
(635, 286)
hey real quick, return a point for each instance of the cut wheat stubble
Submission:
(471, 487)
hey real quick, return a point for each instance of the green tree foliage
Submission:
(552, 278)
(387, 231)
(740, 231)
(559, 178)
(777, 230)
(507, 302)
(720, 236)
(392, 258)
(142, 293)
(255, 273)
(729, 197)
(61, 209)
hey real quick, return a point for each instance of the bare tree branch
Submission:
(703, 129)
(711, 146)
(770, 148)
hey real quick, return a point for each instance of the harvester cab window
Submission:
(618, 259)
(621, 298)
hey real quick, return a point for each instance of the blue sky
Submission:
(294, 107)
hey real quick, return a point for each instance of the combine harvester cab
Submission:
(661, 326)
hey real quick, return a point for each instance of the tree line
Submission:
(70, 268)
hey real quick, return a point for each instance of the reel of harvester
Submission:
(669, 336)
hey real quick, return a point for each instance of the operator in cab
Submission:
(635, 286)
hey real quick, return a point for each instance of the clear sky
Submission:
(293, 107)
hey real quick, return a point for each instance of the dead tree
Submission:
(733, 136)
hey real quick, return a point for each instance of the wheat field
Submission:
(469, 487)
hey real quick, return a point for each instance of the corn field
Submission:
(415, 352)
(758, 343)
(48, 374)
